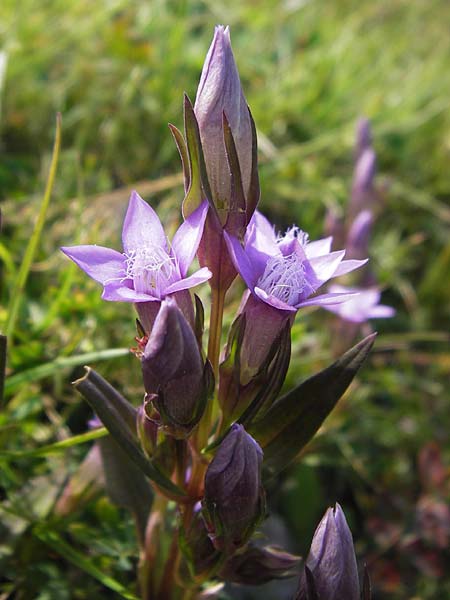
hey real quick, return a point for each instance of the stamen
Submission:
(151, 270)
(285, 278)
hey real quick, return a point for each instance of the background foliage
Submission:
(116, 70)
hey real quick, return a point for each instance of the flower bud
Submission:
(220, 92)
(234, 499)
(175, 378)
(331, 561)
(359, 234)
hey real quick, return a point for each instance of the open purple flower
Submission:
(361, 307)
(149, 268)
(286, 271)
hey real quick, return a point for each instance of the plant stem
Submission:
(215, 331)
(215, 327)
(170, 568)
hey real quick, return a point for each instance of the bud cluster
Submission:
(211, 427)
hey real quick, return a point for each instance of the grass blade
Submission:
(16, 294)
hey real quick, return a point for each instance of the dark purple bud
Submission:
(358, 235)
(234, 499)
(255, 565)
(220, 92)
(331, 561)
(173, 370)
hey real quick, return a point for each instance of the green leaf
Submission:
(115, 417)
(82, 561)
(294, 419)
(125, 484)
(75, 440)
(14, 382)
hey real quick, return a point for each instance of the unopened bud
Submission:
(174, 375)
(333, 573)
(234, 498)
(220, 92)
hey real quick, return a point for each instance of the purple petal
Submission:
(273, 301)
(141, 226)
(241, 261)
(382, 311)
(325, 266)
(318, 247)
(196, 278)
(100, 263)
(265, 232)
(349, 265)
(122, 293)
(325, 299)
(187, 238)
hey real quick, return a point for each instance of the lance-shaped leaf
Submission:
(110, 409)
(124, 483)
(294, 419)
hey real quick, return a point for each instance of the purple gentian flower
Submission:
(364, 305)
(149, 268)
(286, 271)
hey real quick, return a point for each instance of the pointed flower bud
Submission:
(331, 561)
(220, 92)
(175, 378)
(234, 498)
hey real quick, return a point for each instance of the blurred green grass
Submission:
(116, 71)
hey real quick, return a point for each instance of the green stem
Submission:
(215, 328)
(170, 568)
(215, 331)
